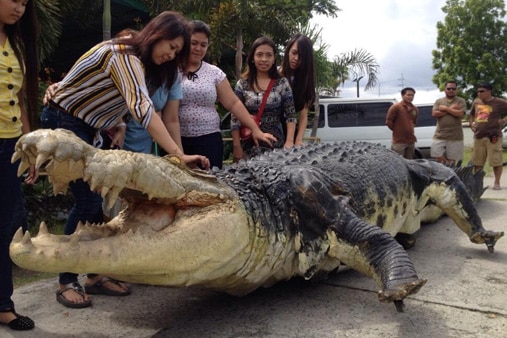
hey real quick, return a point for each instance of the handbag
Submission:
(246, 133)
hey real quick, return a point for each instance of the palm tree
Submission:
(356, 64)
(48, 13)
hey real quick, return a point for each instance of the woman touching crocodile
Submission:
(112, 80)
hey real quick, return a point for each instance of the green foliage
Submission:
(42, 205)
(48, 14)
(471, 45)
(357, 63)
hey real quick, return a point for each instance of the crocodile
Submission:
(283, 214)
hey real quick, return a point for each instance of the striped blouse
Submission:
(105, 84)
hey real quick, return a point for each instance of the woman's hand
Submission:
(258, 136)
(193, 161)
(119, 136)
(32, 175)
(288, 144)
(50, 93)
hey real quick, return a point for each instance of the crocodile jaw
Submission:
(198, 247)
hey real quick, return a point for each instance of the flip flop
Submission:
(99, 289)
(77, 288)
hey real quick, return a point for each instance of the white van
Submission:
(359, 119)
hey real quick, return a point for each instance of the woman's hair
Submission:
(251, 71)
(197, 26)
(302, 79)
(24, 39)
(165, 26)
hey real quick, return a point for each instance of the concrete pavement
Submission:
(466, 296)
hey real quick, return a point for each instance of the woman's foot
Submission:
(496, 186)
(15, 321)
(73, 295)
(101, 285)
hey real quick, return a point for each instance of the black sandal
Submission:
(20, 323)
(78, 289)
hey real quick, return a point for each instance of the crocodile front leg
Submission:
(360, 245)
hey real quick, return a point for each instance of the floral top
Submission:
(197, 113)
(280, 103)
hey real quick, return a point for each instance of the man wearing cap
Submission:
(486, 122)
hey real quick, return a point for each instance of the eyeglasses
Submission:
(481, 91)
(450, 88)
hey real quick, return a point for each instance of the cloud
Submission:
(400, 34)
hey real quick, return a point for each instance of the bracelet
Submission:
(121, 125)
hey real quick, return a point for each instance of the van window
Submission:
(357, 115)
(425, 119)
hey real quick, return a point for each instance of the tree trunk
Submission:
(239, 53)
(106, 21)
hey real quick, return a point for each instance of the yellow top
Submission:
(11, 81)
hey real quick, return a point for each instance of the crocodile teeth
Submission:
(16, 156)
(104, 191)
(111, 197)
(43, 229)
(79, 228)
(41, 158)
(27, 239)
(23, 166)
(18, 236)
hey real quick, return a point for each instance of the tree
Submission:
(352, 64)
(236, 23)
(471, 45)
(51, 26)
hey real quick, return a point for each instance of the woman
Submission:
(251, 88)
(19, 31)
(112, 80)
(298, 68)
(202, 84)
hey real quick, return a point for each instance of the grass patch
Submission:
(487, 168)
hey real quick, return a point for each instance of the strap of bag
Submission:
(263, 103)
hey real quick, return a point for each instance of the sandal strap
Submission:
(74, 286)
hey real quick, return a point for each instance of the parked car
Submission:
(364, 120)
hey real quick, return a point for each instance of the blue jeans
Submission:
(12, 216)
(88, 204)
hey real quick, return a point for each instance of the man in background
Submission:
(401, 119)
(486, 122)
(448, 145)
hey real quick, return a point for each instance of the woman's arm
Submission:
(302, 124)
(232, 103)
(158, 131)
(172, 121)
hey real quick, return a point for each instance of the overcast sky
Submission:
(400, 34)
